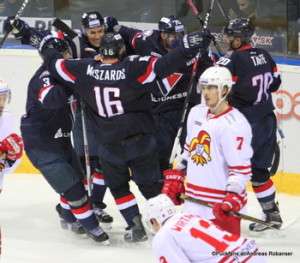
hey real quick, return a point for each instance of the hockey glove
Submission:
(110, 22)
(38, 38)
(191, 43)
(232, 202)
(17, 27)
(12, 146)
(174, 185)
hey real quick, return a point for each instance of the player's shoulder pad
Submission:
(236, 119)
(44, 74)
(199, 108)
(139, 58)
(147, 33)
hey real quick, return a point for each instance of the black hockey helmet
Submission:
(239, 27)
(170, 24)
(59, 44)
(91, 19)
(111, 44)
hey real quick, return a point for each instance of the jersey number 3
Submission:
(108, 101)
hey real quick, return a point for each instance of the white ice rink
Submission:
(31, 232)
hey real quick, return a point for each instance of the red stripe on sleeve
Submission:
(142, 78)
(64, 69)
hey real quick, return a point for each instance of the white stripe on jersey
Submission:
(127, 204)
(59, 66)
(83, 215)
(43, 92)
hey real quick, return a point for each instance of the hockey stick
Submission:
(59, 24)
(204, 23)
(221, 7)
(19, 13)
(237, 214)
(176, 144)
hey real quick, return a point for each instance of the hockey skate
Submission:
(98, 235)
(104, 218)
(137, 232)
(273, 218)
(74, 227)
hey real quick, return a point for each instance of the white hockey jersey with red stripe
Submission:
(217, 151)
(186, 238)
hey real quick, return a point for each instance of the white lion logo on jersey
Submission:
(200, 148)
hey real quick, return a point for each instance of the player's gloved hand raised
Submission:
(42, 39)
(192, 42)
(12, 146)
(17, 27)
(110, 22)
(174, 185)
(232, 202)
(38, 38)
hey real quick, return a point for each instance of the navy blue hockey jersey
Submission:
(255, 77)
(167, 93)
(116, 93)
(48, 121)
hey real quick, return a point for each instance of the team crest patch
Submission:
(199, 150)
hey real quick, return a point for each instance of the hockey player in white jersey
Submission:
(11, 144)
(184, 237)
(216, 157)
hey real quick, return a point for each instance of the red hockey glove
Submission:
(173, 185)
(232, 202)
(12, 146)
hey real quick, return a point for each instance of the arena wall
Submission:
(17, 65)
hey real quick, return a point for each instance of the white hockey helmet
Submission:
(160, 208)
(4, 89)
(216, 76)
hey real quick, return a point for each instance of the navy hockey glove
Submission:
(110, 22)
(40, 38)
(191, 43)
(17, 27)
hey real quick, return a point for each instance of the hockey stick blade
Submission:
(62, 26)
(243, 216)
(19, 13)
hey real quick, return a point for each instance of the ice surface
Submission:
(31, 231)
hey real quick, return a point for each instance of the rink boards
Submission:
(18, 64)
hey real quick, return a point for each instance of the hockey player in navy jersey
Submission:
(93, 29)
(117, 93)
(256, 77)
(46, 130)
(169, 93)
